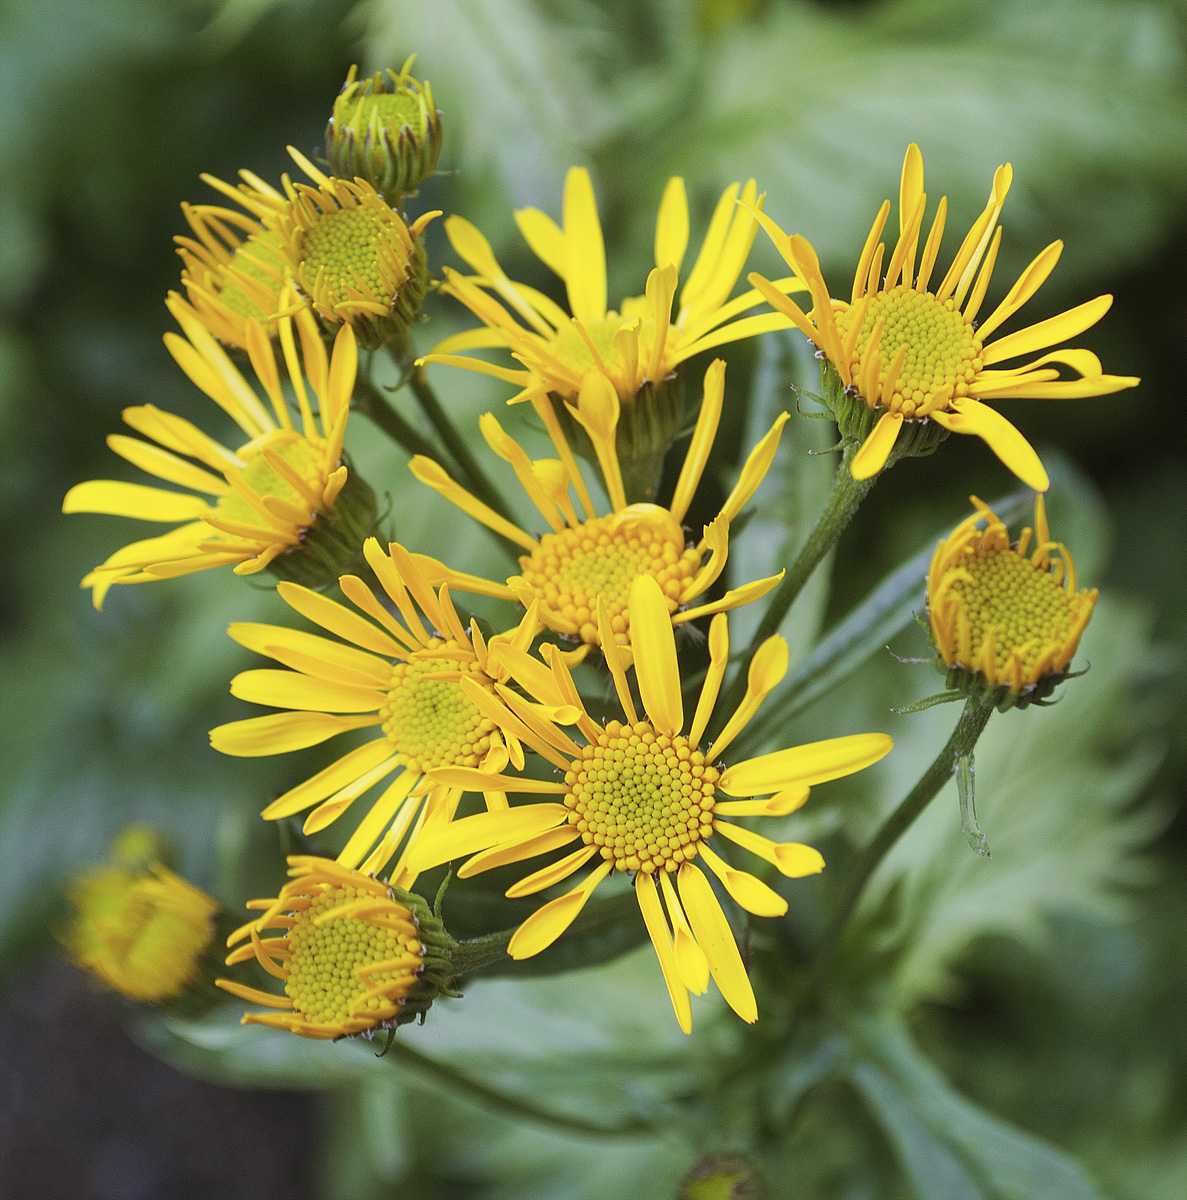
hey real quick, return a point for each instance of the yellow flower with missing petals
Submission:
(261, 505)
(401, 678)
(1005, 622)
(355, 955)
(641, 797)
(587, 557)
(139, 928)
(911, 355)
(641, 344)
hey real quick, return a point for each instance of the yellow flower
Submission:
(401, 679)
(910, 356)
(587, 556)
(140, 928)
(352, 254)
(641, 797)
(233, 268)
(1004, 621)
(386, 131)
(246, 507)
(355, 955)
(641, 344)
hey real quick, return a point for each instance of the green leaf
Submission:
(949, 1147)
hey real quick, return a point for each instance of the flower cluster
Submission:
(596, 713)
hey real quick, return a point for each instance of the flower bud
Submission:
(386, 131)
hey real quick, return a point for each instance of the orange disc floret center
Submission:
(569, 571)
(1019, 603)
(329, 976)
(645, 799)
(943, 353)
(432, 720)
(342, 248)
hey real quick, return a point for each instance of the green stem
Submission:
(501, 1102)
(843, 501)
(472, 953)
(480, 483)
(964, 738)
(379, 408)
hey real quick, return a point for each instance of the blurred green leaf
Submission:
(950, 1148)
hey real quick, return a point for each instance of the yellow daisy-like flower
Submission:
(1003, 620)
(352, 254)
(234, 270)
(641, 797)
(354, 954)
(910, 354)
(586, 557)
(399, 677)
(248, 506)
(141, 929)
(639, 345)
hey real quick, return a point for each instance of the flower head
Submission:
(137, 926)
(353, 256)
(585, 556)
(385, 130)
(402, 679)
(641, 797)
(261, 505)
(910, 354)
(355, 955)
(639, 345)
(1005, 622)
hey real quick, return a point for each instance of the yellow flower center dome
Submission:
(258, 261)
(336, 966)
(571, 570)
(432, 720)
(942, 352)
(393, 109)
(306, 459)
(1006, 597)
(645, 799)
(342, 249)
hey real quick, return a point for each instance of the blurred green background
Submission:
(1049, 985)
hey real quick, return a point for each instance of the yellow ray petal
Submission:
(751, 893)
(133, 500)
(598, 411)
(755, 469)
(719, 653)
(671, 225)
(702, 439)
(766, 671)
(1046, 333)
(501, 856)
(544, 236)
(656, 666)
(164, 465)
(778, 805)
(337, 619)
(436, 477)
(690, 958)
(661, 939)
(484, 831)
(970, 416)
(546, 924)
(585, 254)
(609, 640)
(717, 941)
(545, 877)
(290, 689)
(281, 732)
(816, 762)
(790, 858)
(327, 781)
(875, 450)
(333, 660)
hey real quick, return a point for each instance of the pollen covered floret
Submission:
(602, 558)
(341, 970)
(432, 720)
(924, 354)
(644, 798)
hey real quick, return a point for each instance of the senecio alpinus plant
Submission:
(591, 738)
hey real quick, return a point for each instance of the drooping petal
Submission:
(661, 939)
(717, 941)
(546, 924)
(971, 416)
(875, 450)
(656, 665)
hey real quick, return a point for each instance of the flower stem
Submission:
(503, 1103)
(379, 408)
(843, 501)
(480, 483)
(964, 737)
